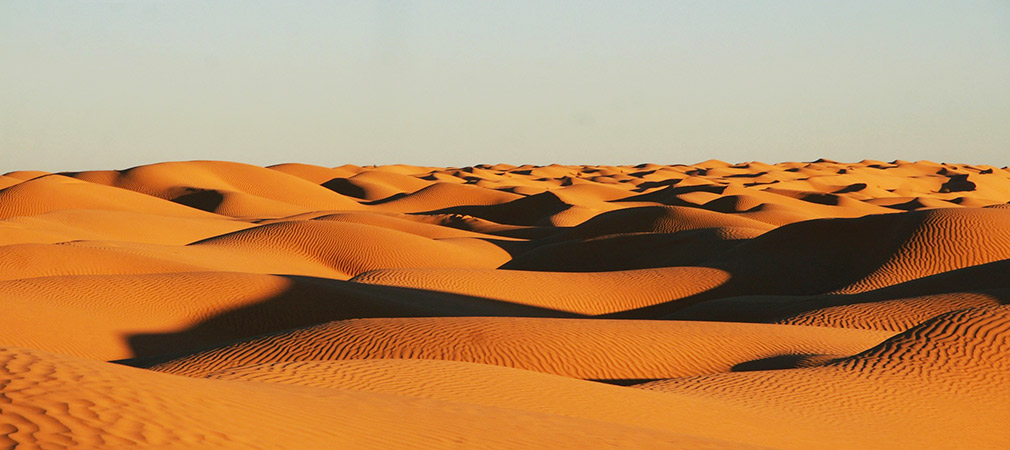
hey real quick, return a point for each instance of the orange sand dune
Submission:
(201, 181)
(819, 304)
(591, 293)
(315, 174)
(670, 219)
(111, 258)
(860, 254)
(175, 312)
(444, 195)
(940, 376)
(502, 387)
(407, 224)
(375, 185)
(895, 308)
(8, 181)
(581, 348)
(56, 192)
(631, 251)
(354, 248)
(55, 401)
(99, 225)
(294, 248)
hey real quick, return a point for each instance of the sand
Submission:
(211, 304)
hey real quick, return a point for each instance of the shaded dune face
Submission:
(211, 304)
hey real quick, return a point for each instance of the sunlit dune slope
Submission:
(931, 386)
(101, 225)
(581, 348)
(237, 189)
(860, 254)
(583, 293)
(330, 249)
(54, 401)
(152, 314)
(56, 192)
(530, 391)
(353, 248)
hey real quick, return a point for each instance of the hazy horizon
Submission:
(110, 84)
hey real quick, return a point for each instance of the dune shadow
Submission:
(777, 362)
(621, 252)
(854, 187)
(205, 199)
(957, 183)
(669, 195)
(821, 198)
(984, 279)
(646, 185)
(344, 187)
(513, 248)
(310, 301)
(659, 311)
(531, 210)
(623, 381)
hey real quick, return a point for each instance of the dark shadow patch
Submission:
(881, 166)
(668, 195)
(957, 183)
(730, 204)
(533, 210)
(380, 201)
(855, 187)
(206, 199)
(747, 175)
(623, 381)
(345, 187)
(987, 279)
(761, 183)
(777, 362)
(653, 184)
(623, 252)
(821, 199)
(910, 205)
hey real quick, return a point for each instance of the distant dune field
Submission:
(209, 304)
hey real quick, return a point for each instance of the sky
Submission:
(108, 84)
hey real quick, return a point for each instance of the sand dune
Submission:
(56, 192)
(593, 293)
(353, 248)
(215, 179)
(631, 250)
(59, 401)
(866, 253)
(443, 195)
(374, 185)
(896, 308)
(101, 225)
(173, 312)
(656, 219)
(946, 371)
(581, 348)
(813, 304)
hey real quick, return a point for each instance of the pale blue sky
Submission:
(113, 84)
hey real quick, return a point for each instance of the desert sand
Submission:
(209, 304)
